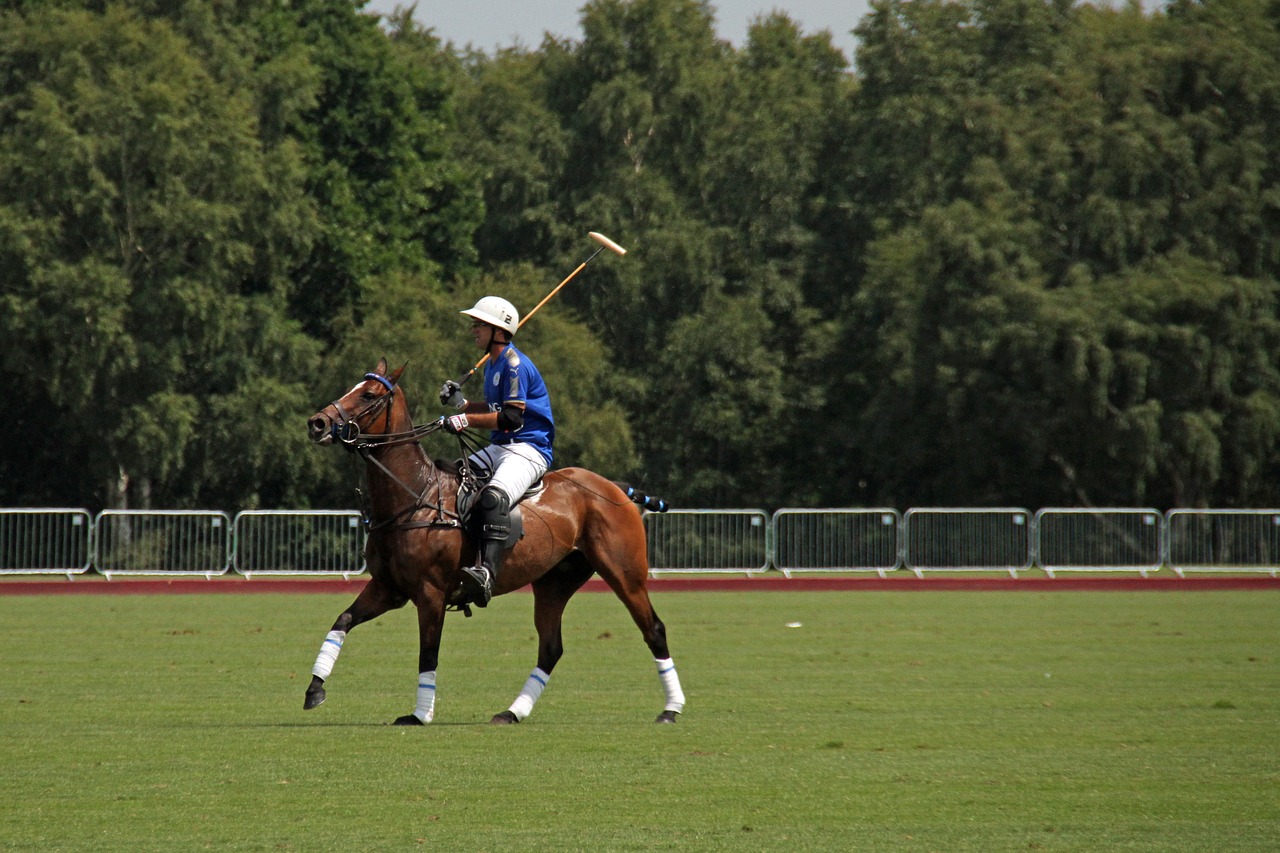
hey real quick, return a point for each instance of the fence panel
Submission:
(45, 541)
(1099, 540)
(708, 540)
(836, 540)
(289, 542)
(162, 542)
(1223, 540)
(954, 539)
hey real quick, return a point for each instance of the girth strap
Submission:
(438, 524)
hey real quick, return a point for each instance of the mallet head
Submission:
(606, 242)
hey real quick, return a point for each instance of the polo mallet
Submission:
(605, 243)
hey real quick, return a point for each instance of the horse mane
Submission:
(450, 467)
(449, 474)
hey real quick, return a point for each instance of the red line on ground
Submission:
(97, 585)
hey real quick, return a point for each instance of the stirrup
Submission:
(479, 583)
(463, 607)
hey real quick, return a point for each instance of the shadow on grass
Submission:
(179, 724)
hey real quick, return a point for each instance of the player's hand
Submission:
(451, 395)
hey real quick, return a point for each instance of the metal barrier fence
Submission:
(285, 542)
(1099, 540)
(45, 541)
(708, 540)
(954, 539)
(1223, 540)
(162, 542)
(330, 542)
(836, 540)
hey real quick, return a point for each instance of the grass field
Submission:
(947, 721)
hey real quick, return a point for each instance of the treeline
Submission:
(1018, 252)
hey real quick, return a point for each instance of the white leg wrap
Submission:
(523, 706)
(426, 709)
(670, 685)
(329, 651)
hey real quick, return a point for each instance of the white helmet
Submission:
(496, 311)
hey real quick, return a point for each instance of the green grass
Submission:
(888, 721)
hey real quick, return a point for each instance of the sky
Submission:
(488, 24)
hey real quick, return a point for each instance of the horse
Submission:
(580, 524)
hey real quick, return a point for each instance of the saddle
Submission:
(469, 489)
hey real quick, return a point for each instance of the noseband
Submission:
(346, 428)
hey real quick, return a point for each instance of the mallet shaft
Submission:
(605, 243)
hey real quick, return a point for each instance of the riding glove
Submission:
(454, 423)
(451, 395)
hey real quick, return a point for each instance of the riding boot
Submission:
(495, 527)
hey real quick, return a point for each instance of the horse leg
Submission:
(625, 571)
(551, 593)
(430, 626)
(374, 600)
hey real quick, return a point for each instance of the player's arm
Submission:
(508, 419)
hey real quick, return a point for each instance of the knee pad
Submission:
(492, 502)
(493, 516)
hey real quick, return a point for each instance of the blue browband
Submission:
(386, 383)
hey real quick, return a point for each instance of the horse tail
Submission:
(649, 502)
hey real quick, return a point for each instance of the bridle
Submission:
(346, 427)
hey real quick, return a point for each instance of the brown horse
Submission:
(580, 524)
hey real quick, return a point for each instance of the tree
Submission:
(136, 312)
(519, 147)
(1198, 350)
(393, 194)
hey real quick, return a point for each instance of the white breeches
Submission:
(515, 468)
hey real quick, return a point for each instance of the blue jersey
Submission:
(512, 378)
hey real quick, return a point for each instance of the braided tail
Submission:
(649, 502)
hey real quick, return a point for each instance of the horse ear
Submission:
(381, 369)
(395, 377)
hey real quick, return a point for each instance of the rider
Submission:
(517, 410)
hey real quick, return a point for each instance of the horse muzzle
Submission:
(323, 429)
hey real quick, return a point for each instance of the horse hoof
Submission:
(506, 718)
(667, 717)
(408, 720)
(315, 698)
